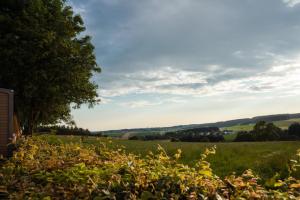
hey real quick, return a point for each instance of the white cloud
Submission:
(154, 81)
(169, 75)
(176, 100)
(155, 102)
(105, 100)
(207, 53)
(281, 77)
(78, 9)
(140, 104)
(291, 3)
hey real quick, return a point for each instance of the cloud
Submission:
(291, 3)
(282, 76)
(78, 8)
(194, 47)
(140, 104)
(152, 81)
(154, 102)
(105, 100)
(191, 61)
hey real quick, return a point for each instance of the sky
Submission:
(174, 62)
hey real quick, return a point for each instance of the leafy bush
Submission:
(133, 138)
(244, 136)
(42, 170)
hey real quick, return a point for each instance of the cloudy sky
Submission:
(171, 62)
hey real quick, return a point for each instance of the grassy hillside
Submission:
(230, 137)
(229, 123)
(284, 124)
(265, 158)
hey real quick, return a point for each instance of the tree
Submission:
(266, 131)
(294, 129)
(260, 126)
(46, 60)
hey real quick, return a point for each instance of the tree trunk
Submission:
(29, 125)
(17, 126)
(28, 128)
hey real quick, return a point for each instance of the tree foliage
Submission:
(262, 131)
(45, 59)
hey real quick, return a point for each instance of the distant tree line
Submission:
(205, 134)
(65, 130)
(263, 131)
(149, 137)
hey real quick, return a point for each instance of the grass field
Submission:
(284, 124)
(230, 137)
(265, 158)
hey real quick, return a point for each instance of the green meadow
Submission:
(265, 158)
(283, 124)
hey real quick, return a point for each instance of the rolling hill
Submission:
(281, 120)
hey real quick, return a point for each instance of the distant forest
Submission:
(65, 130)
(205, 134)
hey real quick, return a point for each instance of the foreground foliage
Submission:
(53, 170)
(264, 158)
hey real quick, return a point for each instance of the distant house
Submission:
(6, 120)
(227, 132)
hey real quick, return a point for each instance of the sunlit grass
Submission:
(265, 158)
(284, 124)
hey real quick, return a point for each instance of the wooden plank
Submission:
(3, 142)
(3, 131)
(4, 108)
(4, 115)
(6, 119)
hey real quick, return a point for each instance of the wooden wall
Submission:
(6, 119)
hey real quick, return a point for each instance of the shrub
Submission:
(244, 136)
(175, 140)
(40, 170)
(285, 136)
(134, 137)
